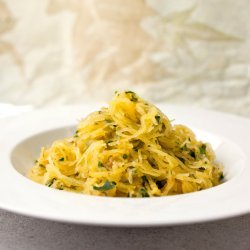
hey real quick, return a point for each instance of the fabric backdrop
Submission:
(74, 51)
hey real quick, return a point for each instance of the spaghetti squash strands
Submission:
(128, 149)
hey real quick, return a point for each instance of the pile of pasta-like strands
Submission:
(128, 149)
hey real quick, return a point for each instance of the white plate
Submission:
(21, 138)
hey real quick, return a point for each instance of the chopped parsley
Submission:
(202, 168)
(76, 133)
(203, 149)
(133, 97)
(221, 176)
(157, 118)
(50, 183)
(106, 186)
(125, 156)
(61, 159)
(100, 164)
(130, 92)
(108, 120)
(184, 148)
(139, 144)
(144, 193)
(144, 179)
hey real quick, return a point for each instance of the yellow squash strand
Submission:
(128, 149)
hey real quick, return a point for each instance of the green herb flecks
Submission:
(133, 97)
(221, 176)
(202, 169)
(106, 186)
(139, 144)
(108, 120)
(125, 156)
(203, 149)
(144, 193)
(184, 147)
(76, 133)
(50, 182)
(100, 164)
(157, 118)
(144, 180)
(61, 159)
(129, 92)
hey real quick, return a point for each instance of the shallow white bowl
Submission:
(22, 137)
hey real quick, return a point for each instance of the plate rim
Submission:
(129, 223)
